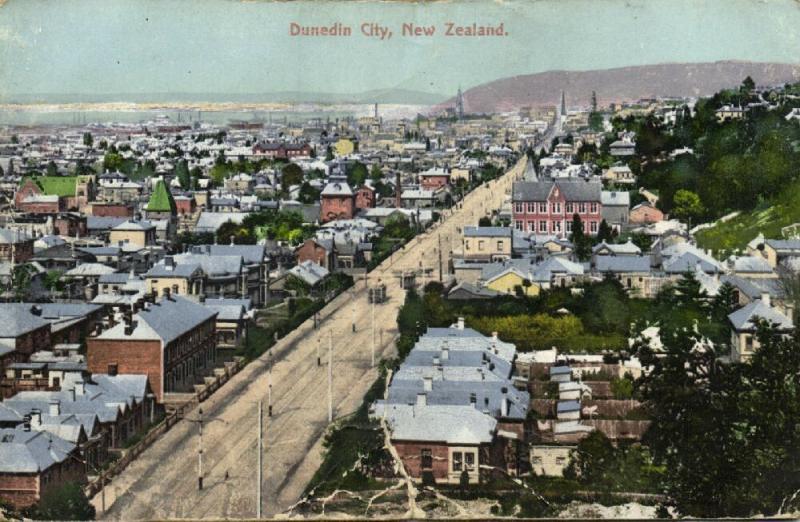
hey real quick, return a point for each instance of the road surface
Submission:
(162, 483)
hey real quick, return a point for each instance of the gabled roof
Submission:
(573, 190)
(438, 423)
(31, 451)
(165, 320)
(745, 317)
(622, 264)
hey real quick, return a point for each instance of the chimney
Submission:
(460, 323)
(130, 326)
(765, 298)
(36, 418)
(445, 353)
(494, 338)
(36, 310)
(55, 408)
(80, 388)
(169, 262)
(504, 406)
(98, 329)
(427, 383)
(422, 399)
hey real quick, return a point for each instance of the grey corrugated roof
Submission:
(623, 264)
(252, 254)
(18, 320)
(567, 406)
(165, 320)
(487, 231)
(184, 270)
(743, 318)
(436, 423)
(784, 244)
(31, 451)
(213, 265)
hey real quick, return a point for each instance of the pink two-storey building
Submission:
(548, 207)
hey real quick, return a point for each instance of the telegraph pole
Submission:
(269, 387)
(373, 333)
(330, 375)
(439, 239)
(200, 450)
(260, 456)
(319, 360)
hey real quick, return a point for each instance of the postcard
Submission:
(480, 259)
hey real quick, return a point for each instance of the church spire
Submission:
(460, 104)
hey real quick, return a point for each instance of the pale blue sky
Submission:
(227, 46)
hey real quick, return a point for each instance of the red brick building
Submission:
(24, 331)
(173, 342)
(336, 202)
(185, 205)
(16, 245)
(41, 462)
(548, 207)
(282, 150)
(70, 225)
(317, 251)
(645, 213)
(434, 179)
(111, 209)
(365, 197)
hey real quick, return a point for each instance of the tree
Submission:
(112, 161)
(87, 139)
(605, 232)
(687, 205)
(64, 502)
(357, 174)
(484, 222)
(308, 194)
(291, 174)
(583, 245)
(52, 170)
(748, 84)
(329, 153)
(375, 173)
(21, 279)
(218, 173)
(183, 175)
(53, 281)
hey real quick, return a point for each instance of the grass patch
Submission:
(768, 219)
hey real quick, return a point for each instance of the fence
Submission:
(202, 392)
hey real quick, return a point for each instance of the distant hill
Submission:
(621, 84)
(385, 96)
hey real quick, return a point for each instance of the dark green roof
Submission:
(161, 200)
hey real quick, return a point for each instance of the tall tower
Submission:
(563, 107)
(375, 115)
(460, 104)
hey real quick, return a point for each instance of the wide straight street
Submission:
(163, 481)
